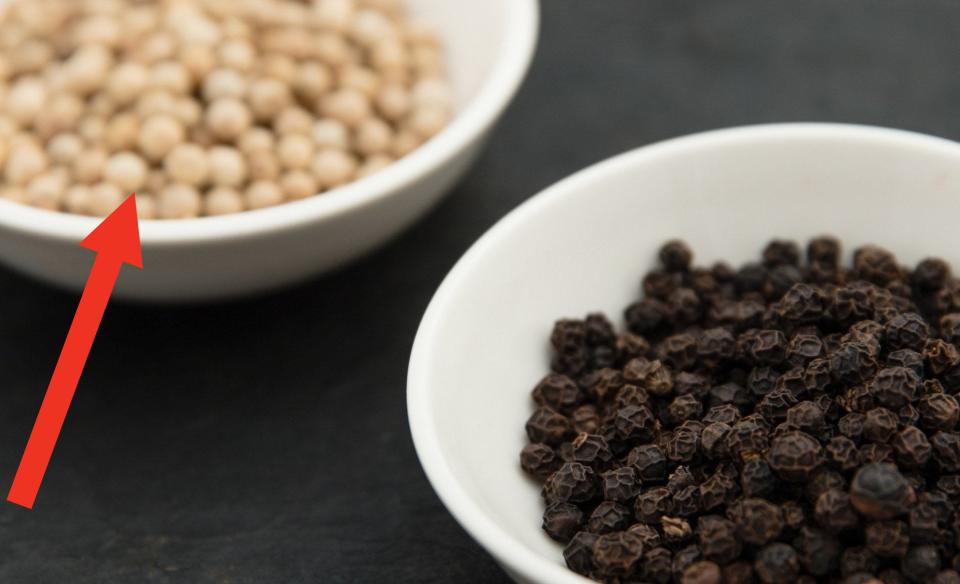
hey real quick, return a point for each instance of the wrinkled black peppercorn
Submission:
(791, 421)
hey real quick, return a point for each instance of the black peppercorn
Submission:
(701, 573)
(562, 521)
(579, 553)
(574, 482)
(608, 517)
(783, 422)
(777, 563)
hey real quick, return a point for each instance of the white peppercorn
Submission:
(89, 165)
(158, 136)
(46, 191)
(295, 151)
(373, 136)
(198, 60)
(293, 120)
(122, 132)
(427, 121)
(333, 168)
(62, 148)
(171, 76)
(393, 102)
(262, 165)
(299, 184)
(178, 201)
(224, 84)
(227, 166)
(312, 81)
(330, 133)
(127, 171)
(24, 164)
(263, 193)
(77, 200)
(256, 138)
(187, 164)
(348, 106)
(126, 82)
(146, 206)
(222, 201)
(237, 54)
(228, 118)
(374, 164)
(267, 98)
(104, 198)
(25, 100)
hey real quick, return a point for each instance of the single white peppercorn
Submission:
(279, 67)
(432, 92)
(104, 198)
(330, 133)
(86, 70)
(228, 118)
(46, 191)
(158, 136)
(374, 164)
(157, 180)
(122, 132)
(178, 201)
(127, 171)
(187, 111)
(370, 26)
(293, 120)
(172, 77)
(224, 84)
(61, 149)
(263, 193)
(126, 82)
(373, 136)
(25, 100)
(333, 168)
(92, 129)
(393, 102)
(198, 60)
(77, 200)
(360, 79)
(15, 194)
(237, 54)
(146, 206)
(187, 164)
(267, 98)
(89, 166)
(222, 201)
(348, 106)
(227, 166)
(156, 102)
(313, 79)
(262, 165)
(299, 184)
(256, 138)
(427, 121)
(333, 15)
(295, 151)
(24, 164)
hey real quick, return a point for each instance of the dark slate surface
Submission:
(266, 441)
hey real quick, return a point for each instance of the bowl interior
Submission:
(584, 244)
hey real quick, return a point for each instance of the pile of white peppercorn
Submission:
(208, 107)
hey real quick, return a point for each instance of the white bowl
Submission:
(583, 245)
(489, 45)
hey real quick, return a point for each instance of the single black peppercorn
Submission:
(834, 511)
(574, 482)
(608, 517)
(921, 563)
(562, 521)
(818, 551)
(650, 463)
(652, 504)
(702, 572)
(657, 566)
(794, 456)
(616, 554)
(539, 460)
(879, 491)
(777, 563)
(887, 539)
(579, 553)
(718, 539)
(675, 255)
(548, 426)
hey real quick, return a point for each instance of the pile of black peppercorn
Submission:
(790, 421)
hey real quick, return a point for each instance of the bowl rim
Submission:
(522, 18)
(506, 549)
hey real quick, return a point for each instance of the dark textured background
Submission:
(266, 441)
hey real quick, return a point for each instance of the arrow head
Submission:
(118, 235)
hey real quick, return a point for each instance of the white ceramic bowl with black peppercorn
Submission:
(487, 47)
(583, 245)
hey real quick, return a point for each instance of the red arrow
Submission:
(116, 241)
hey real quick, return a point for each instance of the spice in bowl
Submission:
(209, 107)
(787, 421)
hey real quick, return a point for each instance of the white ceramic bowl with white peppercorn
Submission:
(213, 116)
(584, 244)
